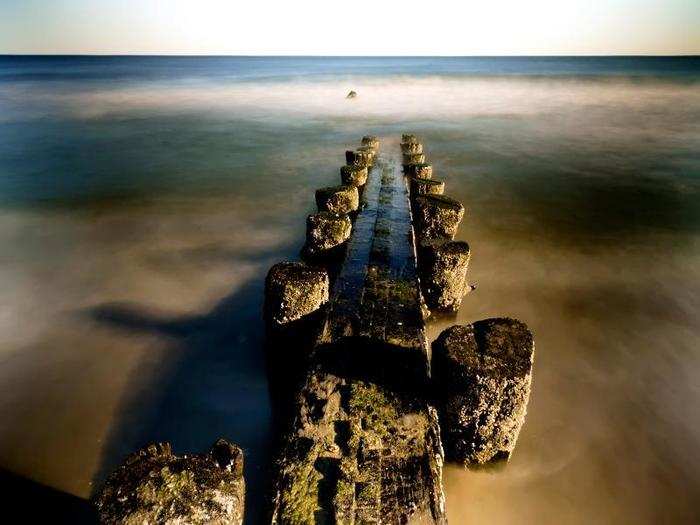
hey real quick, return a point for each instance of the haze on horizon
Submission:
(360, 27)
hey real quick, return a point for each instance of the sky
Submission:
(351, 27)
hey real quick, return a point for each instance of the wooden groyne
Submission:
(365, 443)
(375, 408)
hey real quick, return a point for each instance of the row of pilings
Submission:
(481, 372)
(443, 262)
(479, 386)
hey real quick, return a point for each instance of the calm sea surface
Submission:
(143, 199)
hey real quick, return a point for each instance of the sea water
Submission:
(142, 200)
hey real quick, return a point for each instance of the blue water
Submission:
(145, 68)
(142, 200)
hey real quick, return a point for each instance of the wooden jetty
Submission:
(376, 410)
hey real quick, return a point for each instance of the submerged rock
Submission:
(293, 291)
(443, 269)
(338, 199)
(420, 170)
(156, 486)
(437, 216)
(482, 372)
(325, 231)
(421, 186)
(353, 175)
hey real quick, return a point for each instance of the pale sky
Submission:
(351, 27)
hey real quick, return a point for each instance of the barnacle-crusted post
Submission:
(326, 232)
(353, 175)
(437, 216)
(420, 171)
(338, 199)
(421, 186)
(359, 157)
(293, 292)
(413, 158)
(482, 372)
(443, 271)
(411, 147)
(154, 485)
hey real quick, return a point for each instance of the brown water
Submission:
(138, 224)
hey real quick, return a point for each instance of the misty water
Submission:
(142, 201)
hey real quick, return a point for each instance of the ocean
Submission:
(143, 199)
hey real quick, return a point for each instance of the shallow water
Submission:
(142, 201)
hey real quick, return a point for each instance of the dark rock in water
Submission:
(372, 141)
(338, 199)
(420, 171)
(482, 372)
(411, 148)
(413, 158)
(437, 216)
(293, 291)
(421, 186)
(359, 453)
(443, 270)
(408, 138)
(352, 94)
(156, 486)
(359, 158)
(325, 231)
(353, 175)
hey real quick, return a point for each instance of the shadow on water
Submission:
(29, 501)
(217, 387)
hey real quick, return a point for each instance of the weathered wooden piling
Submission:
(443, 271)
(338, 199)
(156, 486)
(421, 170)
(359, 157)
(426, 186)
(482, 373)
(353, 175)
(293, 292)
(437, 216)
(371, 140)
(411, 148)
(325, 233)
(413, 158)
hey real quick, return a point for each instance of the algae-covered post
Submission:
(359, 157)
(338, 199)
(294, 291)
(353, 175)
(154, 485)
(437, 216)
(421, 186)
(421, 170)
(411, 147)
(483, 373)
(326, 232)
(443, 272)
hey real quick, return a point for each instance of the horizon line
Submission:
(203, 55)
